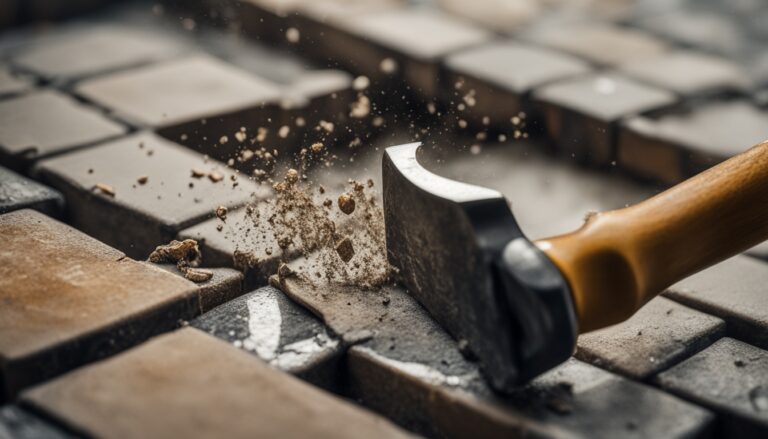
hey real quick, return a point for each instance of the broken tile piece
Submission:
(149, 214)
(582, 114)
(159, 392)
(70, 53)
(729, 378)
(18, 192)
(69, 299)
(269, 325)
(733, 290)
(659, 335)
(40, 124)
(225, 284)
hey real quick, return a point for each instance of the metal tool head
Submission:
(462, 255)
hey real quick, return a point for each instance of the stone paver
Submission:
(501, 75)
(689, 73)
(40, 124)
(225, 284)
(602, 44)
(582, 114)
(730, 378)
(17, 423)
(408, 368)
(734, 290)
(658, 336)
(190, 92)
(69, 299)
(188, 375)
(409, 42)
(675, 145)
(67, 54)
(151, 213)
(267, 324)
(11, 84)
(18, 192)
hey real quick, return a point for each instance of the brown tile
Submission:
(67, 54)
(164, 391)
(675, 145)
(689, 73)
(602, 44)
(149, 214)
(733, 290)
(40, 124)
(501, 75)
(661, 334)
(69, 299)
(581, 115)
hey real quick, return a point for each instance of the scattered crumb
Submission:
(143, 179)
(196, 275)
(346, 203)
(317, 147)
(215, 176)
(198, 173)
(345, 250)
(221, 213)
(105, 189)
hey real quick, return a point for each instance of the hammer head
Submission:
(462, 255)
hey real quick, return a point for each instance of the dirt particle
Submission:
(196, 275)
(105, 189)
(292, 176)
(388, 66)
(142, 180)
(215, 176)
(198, 173)
(361, 83)
(221, 213)
(739, 363)
(292, 35)
(284, 271)
(317, 147)
(346, 203)
(186, 251)
(345, 250)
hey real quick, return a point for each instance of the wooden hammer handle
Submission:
(619, 260)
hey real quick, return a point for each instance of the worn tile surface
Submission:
(18, 192)
(728, 377)
(580, 113)
(69, 299)
(269, 325)
(671, 147)
(733, 290)
(659, 335)
(76, 52)
(163, 385)
(178, 91)
(149, 214)
(405, 366)
(39, 124)
(600, 43)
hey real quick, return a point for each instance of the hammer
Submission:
(519, 305)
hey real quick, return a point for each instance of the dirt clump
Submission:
(186, 255)
(346, 204)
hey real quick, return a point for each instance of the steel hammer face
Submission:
(462, 255)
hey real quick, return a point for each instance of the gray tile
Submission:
(148, 214)
(18, 192)
(733, 290)
(661, 334)
(189, 384)
(17, 423)
(44, 123)
(69, 299)
(675, 145)
(728, 377)
(582, 115)
(267, 324)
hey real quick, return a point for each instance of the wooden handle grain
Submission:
(619, 260)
